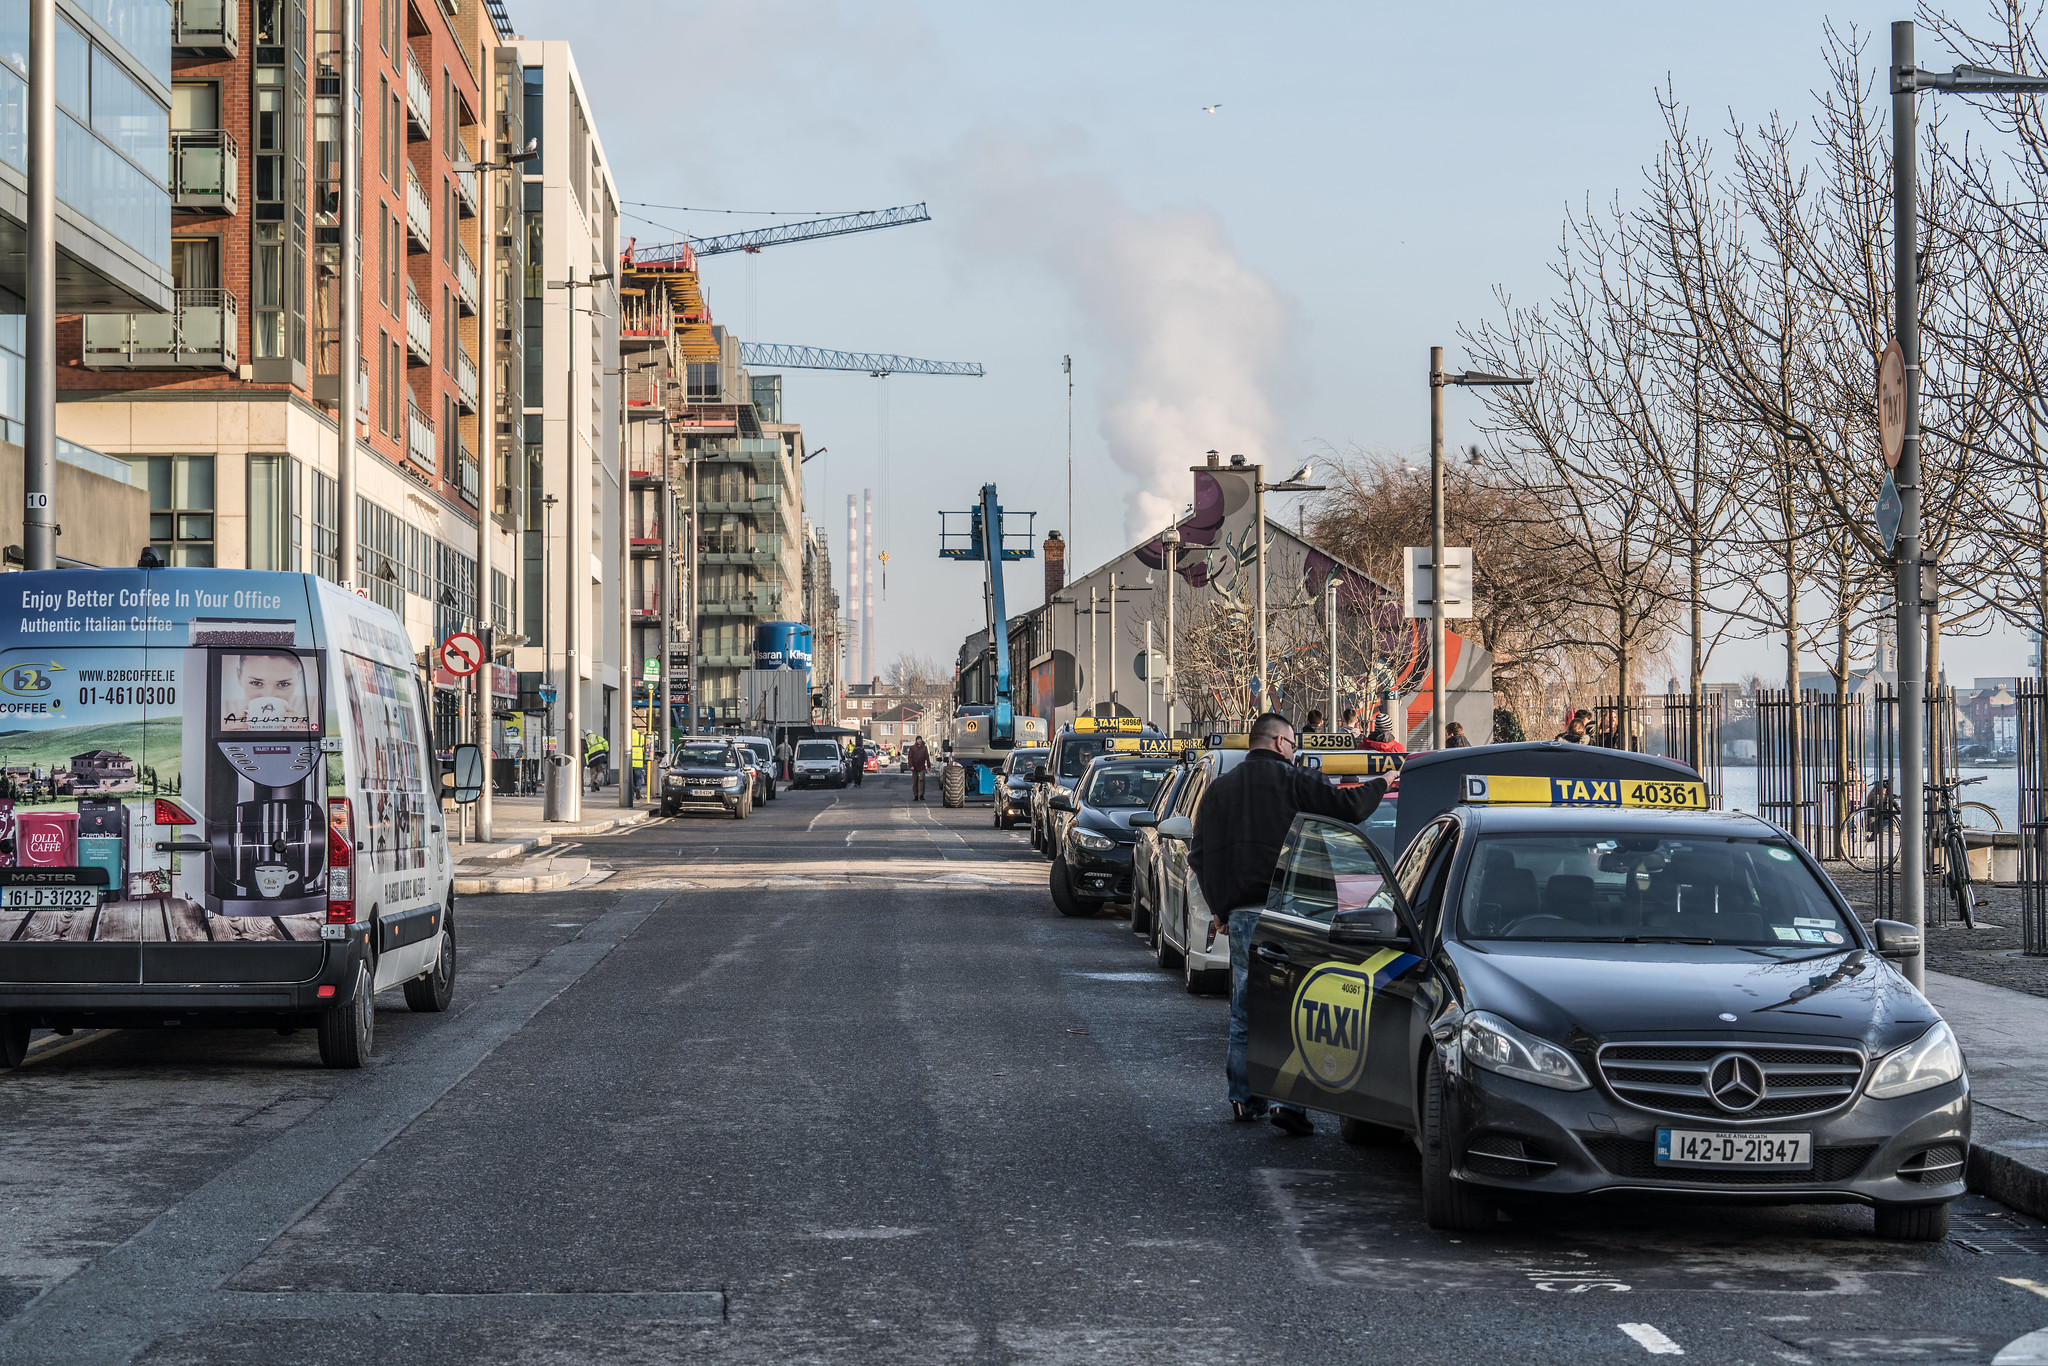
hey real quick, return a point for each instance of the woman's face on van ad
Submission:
(263, 692)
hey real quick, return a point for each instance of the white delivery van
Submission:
(219, 805)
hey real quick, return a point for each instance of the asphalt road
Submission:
(838, 1084)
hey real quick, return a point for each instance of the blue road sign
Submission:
(1888, 513)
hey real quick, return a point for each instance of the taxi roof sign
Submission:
(1433, 783)
(1633, 793)
(1234, 740)
(1354, 762)
(1330, 739)
(1118, 725)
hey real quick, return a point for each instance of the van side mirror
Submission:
(1177, 828)
(1896, 939)
(467, 772)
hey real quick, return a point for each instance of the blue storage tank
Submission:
(782, 645)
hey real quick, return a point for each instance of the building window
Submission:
(180, 506)
(383, 381)
(326, 528)
(448, 331)
(384, 158)
(384, 260)
(397, 261)
(275, 528)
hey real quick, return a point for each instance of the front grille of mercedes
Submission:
(1671, 1079)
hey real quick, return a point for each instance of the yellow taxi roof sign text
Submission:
(1529, 790)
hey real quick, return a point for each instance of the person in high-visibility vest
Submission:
(597, 756)
(639, 762)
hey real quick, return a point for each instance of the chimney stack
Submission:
(1055, 551)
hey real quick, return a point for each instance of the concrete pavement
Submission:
(836, 1084)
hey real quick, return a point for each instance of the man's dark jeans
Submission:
(1242, 922)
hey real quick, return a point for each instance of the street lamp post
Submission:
(487, 440)
(1471, 379)
(1170, 543)
(1293, 483)
(565, 774)
(1906, 81)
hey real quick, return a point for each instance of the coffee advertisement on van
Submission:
(170, 739)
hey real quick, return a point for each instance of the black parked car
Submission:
(1014, 786)
(1092, 834)
(705, 776)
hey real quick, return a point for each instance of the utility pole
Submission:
(351, 287)
(39, 413)
(1067, 365)
(1293, 483)
(1907, 80)
(1330, 608)
(1112, 643)
(1150, 681)
(565, 776)
(1170, 543)
(1437, 381)
(625, 741)
(487, 434)
(1094, 696)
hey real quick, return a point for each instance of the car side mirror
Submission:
(1896, 939)
(467, 773)
(1367, 925)
(1176, 828)
(1039, 775)
(1144, 820)
(1061, 801)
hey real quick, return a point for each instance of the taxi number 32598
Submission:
(1708, 1148)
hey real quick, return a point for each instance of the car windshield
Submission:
(1075, 754)
(1117, 787)
(1605, 887)
(817, 749)
(761, 749)
(1024, 760)
(706, 756)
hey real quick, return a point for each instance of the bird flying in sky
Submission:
(1212, 108)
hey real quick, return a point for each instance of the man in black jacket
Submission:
(1239, 828)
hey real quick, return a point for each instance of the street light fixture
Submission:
(1293, 483)
(1169, 542)
(1438, 380)
(486, 619)
(1906, 80)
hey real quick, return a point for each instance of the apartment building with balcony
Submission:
(573, 531)
(114, 183)
(224, 407)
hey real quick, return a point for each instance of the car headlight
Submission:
(1494, 1044)
(732, 784)
(1931, 1060)
(1092, 842)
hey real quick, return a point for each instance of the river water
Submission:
(2000, 791)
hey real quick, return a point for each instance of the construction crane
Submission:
(981, 735)
(771, 356)
(753, 239)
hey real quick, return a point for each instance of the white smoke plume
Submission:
(1200, 346)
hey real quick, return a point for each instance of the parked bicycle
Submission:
(1870, 836)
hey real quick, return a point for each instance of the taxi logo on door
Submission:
(1331, 1010)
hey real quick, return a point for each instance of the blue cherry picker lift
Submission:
(982, 733)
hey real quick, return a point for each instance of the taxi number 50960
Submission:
(1691, 796)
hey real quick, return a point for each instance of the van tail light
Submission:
(341, 861)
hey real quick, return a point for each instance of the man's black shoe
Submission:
(1246, 1110)
(1293, 1121)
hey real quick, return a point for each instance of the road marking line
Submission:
(2030, 1350)
(1652, 1340)
(2023, 1283)
(820, 816)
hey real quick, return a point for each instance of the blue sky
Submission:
(1267, 278)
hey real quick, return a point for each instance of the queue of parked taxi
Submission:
(1554, 969)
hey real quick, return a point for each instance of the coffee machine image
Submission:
(252, 758)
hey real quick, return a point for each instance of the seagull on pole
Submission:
(1212, 108)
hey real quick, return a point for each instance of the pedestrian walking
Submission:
(1239, 828)
(597, 757)
(1381, 740)
(920, 761)
(1454, 736)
